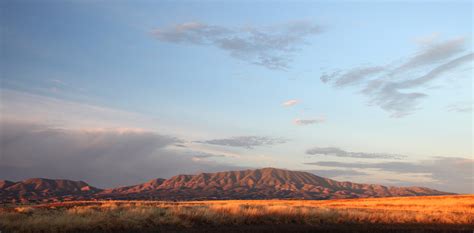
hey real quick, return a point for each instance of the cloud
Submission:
(302, 122)
(389, 95)
(198, 155)
(105, 158)
(30, 107)
(427, 39)
(358, 74)
(289, 103)
(271, 47)
(203, 155)
(449, 173)
(432, 53)
(398, 90)
(327, 77)
(248, 142)
(334, 151)
(337, 173)
(17, 105)
(433, 74)
(460, 107)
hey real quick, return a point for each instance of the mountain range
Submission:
(265, 183)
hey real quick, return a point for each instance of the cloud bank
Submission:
(271, 47)
(105, 157)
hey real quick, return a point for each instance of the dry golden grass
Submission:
(111, 216)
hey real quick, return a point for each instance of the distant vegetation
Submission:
(450, 213)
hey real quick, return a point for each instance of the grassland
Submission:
(405, 214)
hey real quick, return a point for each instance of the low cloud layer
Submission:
(334, 151)
(450, 173)
(399, 89)
(248, 142)
(271, 47)
(104, 158)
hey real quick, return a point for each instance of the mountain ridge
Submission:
(263, 183)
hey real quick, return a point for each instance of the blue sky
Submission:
(388, 84)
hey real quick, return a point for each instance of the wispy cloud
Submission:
(271, 47)
(432, 53)
(57, 81)
(303, 122)
(289, 103)
(448, 173)
(337, 173)
(356, 75)
(398, 89)
(334, 151)
(30, 107)
(24, 106)
(427, 39)
(464, 107)
(199, 156)
(393, 96)
(248, 142)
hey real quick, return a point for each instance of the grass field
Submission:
(405, 214)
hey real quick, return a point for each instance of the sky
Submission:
(119, 92)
